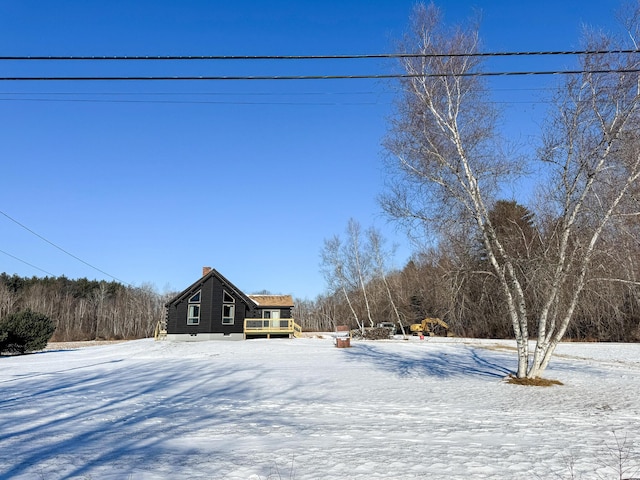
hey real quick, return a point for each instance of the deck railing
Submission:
(271, 326)
(160, 332)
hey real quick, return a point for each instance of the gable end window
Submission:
(193, 310)
(228, 309)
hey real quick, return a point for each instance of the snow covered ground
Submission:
(303, 409)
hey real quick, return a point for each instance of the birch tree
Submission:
(380, 256)
(358, 262)
(334, 271)
(348, 267)
(446, 168)
(592, 149)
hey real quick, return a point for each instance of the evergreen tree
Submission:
(26, 331)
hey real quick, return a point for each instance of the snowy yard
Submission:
(303, 409)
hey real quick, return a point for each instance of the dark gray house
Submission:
(213, 308)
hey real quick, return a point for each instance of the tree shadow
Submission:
(463, 361)
(5, 354)
(123, 412)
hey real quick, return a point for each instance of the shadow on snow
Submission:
(441, 363)
(70, 422)
(459, 361)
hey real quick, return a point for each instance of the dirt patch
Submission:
(533, 382)
(83, 344)
(497, 348)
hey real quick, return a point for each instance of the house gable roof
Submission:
(272, 300)
(198, 283)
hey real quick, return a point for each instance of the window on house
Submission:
(271, 314)
(228, 308)
(193, 315)
(193, 311)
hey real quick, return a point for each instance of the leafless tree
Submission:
(447, 165)
(317, 315)
(592, 150)
(85, 310)
(380, 258)
(359, 269)
(358, 262)
(335, 273)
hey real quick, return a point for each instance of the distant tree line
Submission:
(567, 264)
(454, 282)
(84, 309)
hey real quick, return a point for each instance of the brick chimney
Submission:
(205, 270)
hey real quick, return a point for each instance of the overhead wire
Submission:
(27, 263)
(310, 57)
(244, 94)
(235, 102)
(186, 102)
(312, 77)
(145, 58)
(59, 97)
(276, 78)
(59, 248)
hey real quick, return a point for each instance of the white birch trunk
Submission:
(442, 137)
(353, 312)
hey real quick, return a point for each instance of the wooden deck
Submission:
(271, 326)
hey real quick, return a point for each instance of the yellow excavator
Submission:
(431, 327)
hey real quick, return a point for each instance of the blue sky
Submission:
(150, 181)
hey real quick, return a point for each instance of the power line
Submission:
(61, 249)
(26, 263)
(178, 94)
(187, 102)
(231, 102)
(317, 77)
(204, 93)
(305, 57)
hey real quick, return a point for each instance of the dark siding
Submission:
(216, 314)
(178, 312)
(210, 310)
(206, 306)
